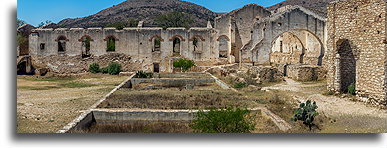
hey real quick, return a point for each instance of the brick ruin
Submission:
(349, 45)
(357, 48)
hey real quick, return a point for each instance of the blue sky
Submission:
(36, 11)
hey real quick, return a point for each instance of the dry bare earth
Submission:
(46, 105)
(346, 116)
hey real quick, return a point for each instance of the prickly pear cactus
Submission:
(306, 113)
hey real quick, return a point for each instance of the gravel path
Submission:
(347, 115)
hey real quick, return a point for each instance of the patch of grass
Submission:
(51, 79)
(77, 85)
(240, 85)
(37, 87)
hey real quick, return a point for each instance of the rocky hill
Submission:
(319, 6)
(146, 10)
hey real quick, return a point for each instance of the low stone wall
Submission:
(266, 73)
(306, 72)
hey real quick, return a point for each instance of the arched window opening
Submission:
(111, 44)
(156, 44)
(62, 44)
(176, 46)
(86, 46)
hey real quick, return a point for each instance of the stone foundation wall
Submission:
(266, 73)
(306, 72)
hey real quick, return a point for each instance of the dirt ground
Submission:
(344, 114)
(45, 105)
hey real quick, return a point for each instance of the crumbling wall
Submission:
(306, 72)
(296, 20)
(357, 32)
(138, 43)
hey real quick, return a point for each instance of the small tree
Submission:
(306, 113)
(224, 121)
(184, 64)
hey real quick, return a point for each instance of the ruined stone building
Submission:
(357, 48)
(251, 34)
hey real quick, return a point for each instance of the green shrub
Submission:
(306, 113)
(352, 89)
(223, 121)
(94, 68)
(142, 74)
(105, 70)
(184, 64)
(240, 85)
(114, 68)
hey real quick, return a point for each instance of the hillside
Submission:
(146, 10)
(319, 6)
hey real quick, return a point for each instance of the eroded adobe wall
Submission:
(357, 32)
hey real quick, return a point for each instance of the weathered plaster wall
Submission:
(137, 43)
(357, 48)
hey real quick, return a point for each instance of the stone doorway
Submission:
(345, 65)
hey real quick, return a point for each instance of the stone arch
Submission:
(84, 37)
(177, 36)
(223, 36)
(287, 48)
(110, 43)
(156, 36)
(267, 30)
(197, 36)
(61, 40)
(86, 45)
(224, 46)
(156, 40)
(61, 37)
(345, 63)
(111, 36)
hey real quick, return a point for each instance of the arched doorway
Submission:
(86, 45)
(223, 46)
(345, 64)
(287, 48)
(176, 46)
(61, 44)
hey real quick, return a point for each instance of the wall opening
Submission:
(156, 67)
(156, 44)
(176, 46)
(346, 64)
(62, 44)
(86, 47)
(223, 47)
(111, 44)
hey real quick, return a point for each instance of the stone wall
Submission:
(306, 72)
(357, 48)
